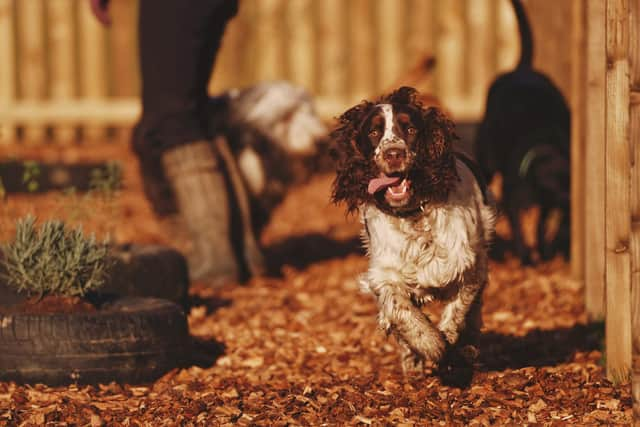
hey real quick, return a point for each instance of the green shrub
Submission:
(54, 260)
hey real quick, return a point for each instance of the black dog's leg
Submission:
(519, 247)
(545, 249)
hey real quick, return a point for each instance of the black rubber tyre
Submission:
(129, 340)
(148, 271)
(140, 271)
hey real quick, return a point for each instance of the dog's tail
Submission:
(526, 38)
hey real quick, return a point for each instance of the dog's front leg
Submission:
(414, 330)
(463, 312)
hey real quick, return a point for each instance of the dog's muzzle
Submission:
(392, 155)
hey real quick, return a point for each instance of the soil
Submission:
(300, 346)
(50, 304)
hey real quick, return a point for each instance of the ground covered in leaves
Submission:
(301, 346)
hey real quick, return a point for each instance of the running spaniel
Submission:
(426, 218)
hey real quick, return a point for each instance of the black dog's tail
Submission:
(526, 38)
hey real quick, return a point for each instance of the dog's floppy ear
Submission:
(353, 169)
(439, 133)
(436, 173)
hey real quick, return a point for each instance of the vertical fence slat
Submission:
(617, 211)
(634, 137)
(7, 71)
(450, 53)
(93, 77)
(420, 16)
(507, 38)
(479, 24)
(362, 60)
(63, 78)
(595, 157)
(236, 60)
(301, 60)
(123, 48)
(32, 60)
(269, 38)
(391, 38)
(333, 53)
(578, 111)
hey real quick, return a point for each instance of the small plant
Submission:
(106, 180)
(30, 175)
(54, 260)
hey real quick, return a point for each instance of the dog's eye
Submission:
(374, 133)
(412, 131)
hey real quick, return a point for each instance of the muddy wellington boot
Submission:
(197, 178)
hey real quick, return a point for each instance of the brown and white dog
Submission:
(426, 220)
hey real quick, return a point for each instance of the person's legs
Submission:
(178, 43)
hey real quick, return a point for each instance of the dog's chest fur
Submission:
(432, 250)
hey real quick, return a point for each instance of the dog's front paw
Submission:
(430, 344)
(412, 363)
(450, 332)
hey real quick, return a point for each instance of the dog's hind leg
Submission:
(398, 315)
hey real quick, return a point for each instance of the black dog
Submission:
(525, 136)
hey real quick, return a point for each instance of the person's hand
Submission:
(100, 9)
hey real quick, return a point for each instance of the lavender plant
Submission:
(54, 260)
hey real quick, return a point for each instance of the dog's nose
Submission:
(395, 155)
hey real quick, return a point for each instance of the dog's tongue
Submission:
(382, 182)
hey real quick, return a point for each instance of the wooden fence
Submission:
(61, 71)
(607, 49)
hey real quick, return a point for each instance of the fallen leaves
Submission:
(303, 348)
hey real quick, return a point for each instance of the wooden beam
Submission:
(578, 122)
(617, 210)
(595, 157)
(634, 137)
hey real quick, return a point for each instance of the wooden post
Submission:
(7, 70)
(31, 59)
(634, 137)
(61, 45)
(301, 58)
(93, 69)
(578, 122)
(617, 186)
(594, 227)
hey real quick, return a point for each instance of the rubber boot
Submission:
(197, 178)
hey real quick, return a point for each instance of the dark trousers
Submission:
(178, 43)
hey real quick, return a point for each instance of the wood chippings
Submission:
(300, 346)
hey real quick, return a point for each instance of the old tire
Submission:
(129, 340)
(148, 271)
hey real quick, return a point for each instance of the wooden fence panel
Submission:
(594, 224)
(617, 204)
(93, 68)
(578, 121)
(301, 60)
(32, 61)
(62, 66)
(634, 137)
(7, 71)
(340, 50)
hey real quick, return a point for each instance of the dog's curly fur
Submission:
(433, 246)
